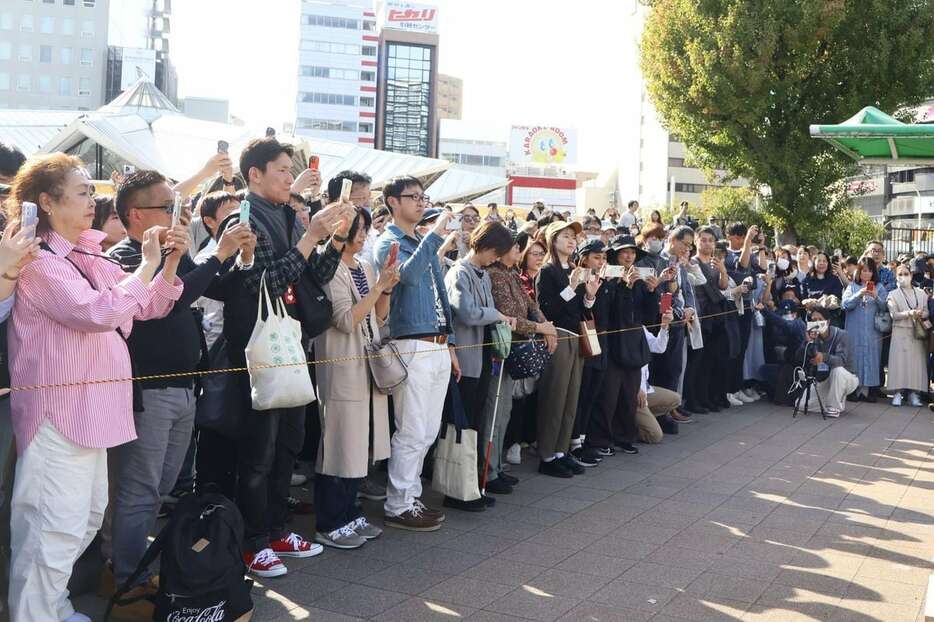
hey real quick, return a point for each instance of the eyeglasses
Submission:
(470, 218)
(167, 208)
(417, 197)
(536, 254)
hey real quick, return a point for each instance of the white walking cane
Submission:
(489, 442)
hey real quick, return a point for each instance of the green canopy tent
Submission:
(873, 137)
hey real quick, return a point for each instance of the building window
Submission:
(367, 76)
(330, 126)
(369, 50)
(65, 56)
(48, 1)
(902, 177)
(333, 99)
(676, 162)
(692, 188)
(45, 84)
(68, 2)
(68, 26)
(24, 82)
(47, 25)
(366, 128)
(45, 53)
(329, 21)
(310, 71)
(25, 23)
(25, 53)
(367, 102)
(89, 4)
(84, 86)
(87, 56)
(6, 50)
(473, 160)
(330, 48)
(369, 25)
(87, 28)
(64, 87)
(6, 21)
(4, 81)
(407, 127)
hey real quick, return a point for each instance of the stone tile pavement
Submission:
(747, 515)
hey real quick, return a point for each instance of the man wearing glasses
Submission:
(420, 322)
(146, 469)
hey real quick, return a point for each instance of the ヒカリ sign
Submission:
(411, 16)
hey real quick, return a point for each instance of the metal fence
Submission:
(907, 241)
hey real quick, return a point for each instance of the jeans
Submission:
(147, 468)
(417, 415)
(271, 440)
(58, 505)
(335, 502)
(736, 379)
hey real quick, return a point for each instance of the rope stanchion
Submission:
(332, 360)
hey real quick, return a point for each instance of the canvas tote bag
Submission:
(276, 341)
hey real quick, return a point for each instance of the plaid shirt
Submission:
(281, 271)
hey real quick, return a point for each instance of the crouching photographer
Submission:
(824, 355)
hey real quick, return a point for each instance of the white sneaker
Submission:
(914, 400)
(733, 400)
(832, 413)
(751, 394)
(363, 528)
(343, 538)
(897, 400)
(298, 479)
(514, 454)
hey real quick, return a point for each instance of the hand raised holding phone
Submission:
(17, 249)
(441, 224)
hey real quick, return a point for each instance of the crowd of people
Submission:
(622, 330)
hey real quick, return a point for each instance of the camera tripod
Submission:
(807, 383)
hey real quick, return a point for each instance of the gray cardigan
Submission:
(471, 298)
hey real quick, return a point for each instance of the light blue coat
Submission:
(865, 340)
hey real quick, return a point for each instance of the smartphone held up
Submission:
(29, 216)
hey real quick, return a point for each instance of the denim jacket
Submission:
(412, 309)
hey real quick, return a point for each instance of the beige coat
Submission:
(345, 388)
(907, 355)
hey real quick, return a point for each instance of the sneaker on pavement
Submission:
(752, 394)
(298, 479)
(733, 400)
(412, 520)
(293, 545)
(832, 413)
(264, 564)
(431, 512)
(363, 528)
(343, 538)
(897, 400)
(498, 486)
(743, 397)
(586, 457)
(477, 505)
(680, 418)
(514, 454)
(371, 490)
(570, 462)
(554, 468)
(509, 479)
(914, 400)
(628, 448)
(606, 452)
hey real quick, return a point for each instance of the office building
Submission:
(477, 147)
(207, 109)
(407, 80)
(336, 97)
(449, 103)
(139, 45)
(53, 54)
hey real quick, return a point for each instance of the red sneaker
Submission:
(265, 563)
(293, 545)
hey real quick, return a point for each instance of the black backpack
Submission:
(201, 570)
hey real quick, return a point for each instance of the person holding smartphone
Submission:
(864, 297)
(73, 309)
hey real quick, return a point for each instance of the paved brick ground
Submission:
(746, 515)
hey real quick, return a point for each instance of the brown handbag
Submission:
(589, 342)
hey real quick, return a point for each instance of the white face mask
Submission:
(904, 281)
(782, 264)
(656, 246)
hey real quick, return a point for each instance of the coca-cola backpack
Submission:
(201, 568)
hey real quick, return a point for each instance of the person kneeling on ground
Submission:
(832, 349)
(653, 416)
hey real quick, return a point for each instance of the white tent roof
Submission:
(28, 130)
(457, 185)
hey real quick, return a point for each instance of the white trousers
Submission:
(833, 391)
(59, 498)
(417, 409)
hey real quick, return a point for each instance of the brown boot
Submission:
(413, 520)
(141, 610)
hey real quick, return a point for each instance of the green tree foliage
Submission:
(740, 81)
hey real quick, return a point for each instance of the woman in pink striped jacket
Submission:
(74, 308)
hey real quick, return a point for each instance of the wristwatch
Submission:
(338, 238)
